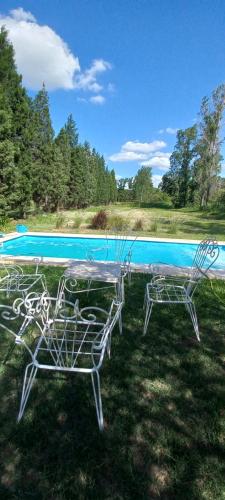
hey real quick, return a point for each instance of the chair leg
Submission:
(9, 352)
(149, 307)
(145, 301)
(109, 345)
(98, 399)
(29, 376)
(44, 284)
(120, 324)
(192, 312)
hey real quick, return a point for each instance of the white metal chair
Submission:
(178, 290)
(71, 340)
(14, 280)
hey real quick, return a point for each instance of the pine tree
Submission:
(15, 103)
(42, 150)
(8, 172)
(72, 132)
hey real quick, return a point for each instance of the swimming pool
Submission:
(143, 251)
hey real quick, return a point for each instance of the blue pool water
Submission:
(143, 252)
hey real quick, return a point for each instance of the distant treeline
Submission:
(37, 169)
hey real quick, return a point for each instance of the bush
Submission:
(158, 199)
(118, 223)
(100, 220)
(154, 226)
(173, 226)
(138, 225)
(60, 221)
(4, 222)
(77, 222)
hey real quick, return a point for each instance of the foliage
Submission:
(208, 164)
(173, 226)
(138, 225)
(60, 221)
(143, 185)
(125, 191)
(158, 199)
(154, 226)
(117, 223)
(177, 182)
(4, 221)
(100, 220)
(77, 222)
(35, 167)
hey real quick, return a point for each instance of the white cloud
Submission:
(22, 15)
(42, 56)
(156, 179)
(143, 147)
(161, 161)
(127, 156)
(88, 79)
(136, 151)
(168, 130)
(97, 99)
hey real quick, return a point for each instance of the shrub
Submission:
(118, 223)
(60, 221)
(138, 225)
(154, 226)
(100, 220)
(173, 226)
(158, 199)
(3, 222)
(77, 222)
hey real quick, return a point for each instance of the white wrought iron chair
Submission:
(180, 290)
(71, 340)
(14, 280)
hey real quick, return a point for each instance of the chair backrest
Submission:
(70, 338)
(206, 255)
(120, 247)
(11, 269)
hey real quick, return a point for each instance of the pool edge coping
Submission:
(15, 235)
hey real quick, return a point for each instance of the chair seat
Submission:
(70, 346)
(167, 293)
(96, 271)
(19, 282)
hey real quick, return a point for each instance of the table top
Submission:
(97, 271)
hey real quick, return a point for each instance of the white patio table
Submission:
(110, 274)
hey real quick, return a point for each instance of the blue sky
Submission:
(130, 71)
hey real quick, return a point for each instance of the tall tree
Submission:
(42, 149)
(71, 132)
(16, 104)
(178, 180)
(208, 164)
(143, 185)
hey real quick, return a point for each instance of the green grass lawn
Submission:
(157, 222)
(164, 408)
